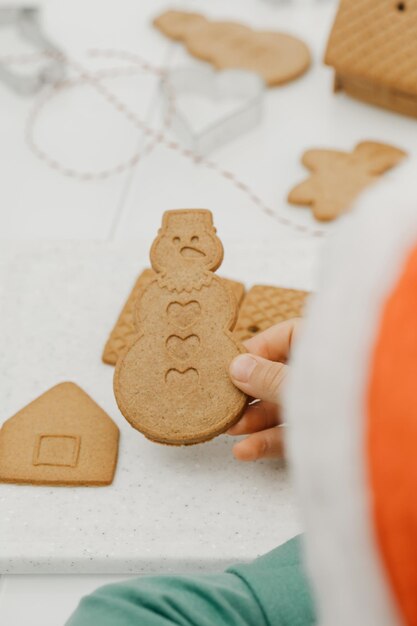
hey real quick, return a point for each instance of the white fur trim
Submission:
(325, 402)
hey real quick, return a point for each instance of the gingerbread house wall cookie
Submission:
(373, 49)
(61, 438)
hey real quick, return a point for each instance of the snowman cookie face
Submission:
(187, 241)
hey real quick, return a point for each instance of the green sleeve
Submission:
(278, 583)
(271, 591)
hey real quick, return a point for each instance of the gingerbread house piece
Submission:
(61, 438)
(373, 49)
(264, 306)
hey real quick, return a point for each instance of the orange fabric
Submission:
(392, 440)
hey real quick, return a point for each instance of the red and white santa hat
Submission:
(352, 414)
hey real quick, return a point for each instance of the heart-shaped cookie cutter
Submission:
(205, 81)
(25, 19)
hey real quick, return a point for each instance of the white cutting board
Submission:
(169, 509)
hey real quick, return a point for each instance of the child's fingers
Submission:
(267, 444)
(258, 416)
(258, 377)
(275, 342)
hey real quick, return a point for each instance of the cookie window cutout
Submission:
(57, 450)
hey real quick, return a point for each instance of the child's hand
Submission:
(260, 374)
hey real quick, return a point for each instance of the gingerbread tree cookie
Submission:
(173, 384)
(338, 177)
(277, 57)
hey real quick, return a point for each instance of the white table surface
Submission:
(37, 203)
(169, 508)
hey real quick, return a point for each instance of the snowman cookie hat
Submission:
(352, 413)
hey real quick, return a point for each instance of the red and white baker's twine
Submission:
(95, 79)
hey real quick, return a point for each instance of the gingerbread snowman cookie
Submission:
(172, 384)
(277, 57)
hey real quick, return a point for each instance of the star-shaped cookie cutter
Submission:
(214, 84)
(25, 19)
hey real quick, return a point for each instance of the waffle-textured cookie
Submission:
(277, 57)
(173, 382)
(124, 331)
(338, 177)
(61, 438)
(373, 49)
(264, 306)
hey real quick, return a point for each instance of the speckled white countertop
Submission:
(168, 508)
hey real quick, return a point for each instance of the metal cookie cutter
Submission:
(26, 22)
(216, 85)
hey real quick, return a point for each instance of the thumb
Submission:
(258, 377)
